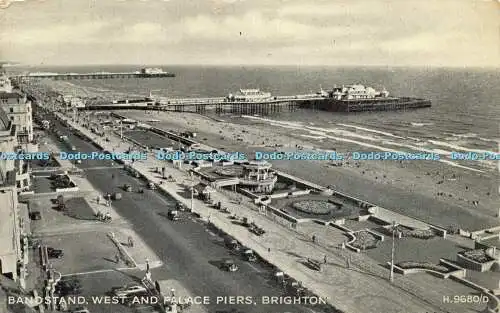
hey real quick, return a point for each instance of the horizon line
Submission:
(6, 64)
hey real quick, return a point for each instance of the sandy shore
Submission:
(430, 190)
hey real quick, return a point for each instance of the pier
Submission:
(203, 105)
(87, 76)
(250, 105)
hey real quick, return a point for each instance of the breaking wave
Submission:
(384, 139)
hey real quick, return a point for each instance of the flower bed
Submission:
(424, 265)
(418, 233)
(61, 182)
(365, 240)
(314, 206)
(479, 256)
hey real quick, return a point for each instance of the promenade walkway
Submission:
(361, 287)
(388, 216)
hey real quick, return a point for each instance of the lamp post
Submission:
(121, 130)
(192, 190)
(394, 226)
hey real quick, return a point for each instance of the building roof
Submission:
(4, 120)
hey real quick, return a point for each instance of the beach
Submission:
(410, 187)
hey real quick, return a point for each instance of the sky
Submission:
(447, 33)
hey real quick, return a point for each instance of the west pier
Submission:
(87, 76)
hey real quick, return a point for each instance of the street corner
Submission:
(83, 252)
(54, 213)
(136, 248)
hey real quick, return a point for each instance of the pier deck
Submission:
(217, 105)
(80, 76)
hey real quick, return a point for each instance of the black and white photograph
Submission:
(249, 156)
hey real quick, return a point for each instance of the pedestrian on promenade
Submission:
(348, 261)
(98, 199)
(324, 259)
(314, 238)
(130, 242)
(117, 258)
(269, 250)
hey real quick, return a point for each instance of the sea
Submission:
(464, 117)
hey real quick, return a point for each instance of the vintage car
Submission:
(129, 290)
(232, 244)
(35, 215)
(229, 265)
(54, 253)
(173, 215)
(249, 256)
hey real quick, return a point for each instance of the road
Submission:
(189, 251)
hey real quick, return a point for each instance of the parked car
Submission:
(180, 207)
(232, 244)
(173, 215)
(60, 200)
(35, 215)
(127, 188)
(249, 256)
(54, 253)
(229, 265)
(128, 290)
